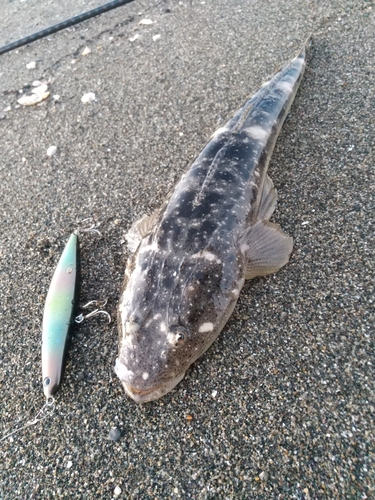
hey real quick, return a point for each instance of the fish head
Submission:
(177, 324)
(153, 358)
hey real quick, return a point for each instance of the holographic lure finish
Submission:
(58, 315)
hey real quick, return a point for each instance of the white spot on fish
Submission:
(206, 327)
(219, 131)
(145, 375)
(244, 248)
(171, 338)
(122, 372)
(205, 254)
(285, 86)
(149, 248)
(163, 327)
(258, 133)
(131, 327)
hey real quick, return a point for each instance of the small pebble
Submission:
(214, 394)
(189, 417)
(56, 97)
(263, 475)
(156, 37)
(307, 493)
(117, 491)
(69, 464)
(86, 51)
(36, 83)
(51, 150)
(89, 97)
(114, 434)
(146, 22)
(135, 37)
(31, 65)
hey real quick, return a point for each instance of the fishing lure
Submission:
(58, 315)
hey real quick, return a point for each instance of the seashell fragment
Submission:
(30, 100)
(41, 89)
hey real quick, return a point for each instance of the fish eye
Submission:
(180, 335)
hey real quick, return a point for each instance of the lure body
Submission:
(58, 315)
(192, 256)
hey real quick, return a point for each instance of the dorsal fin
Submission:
(268, 201)
(140, 229)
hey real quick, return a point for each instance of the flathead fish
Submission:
(192, 256)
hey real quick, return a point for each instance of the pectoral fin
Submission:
(266, 248)
(139, 230)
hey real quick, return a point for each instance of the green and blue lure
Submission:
(58, 315)
(57, 321)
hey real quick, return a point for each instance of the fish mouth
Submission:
(156, 392)
(142, 395)
(148, 394)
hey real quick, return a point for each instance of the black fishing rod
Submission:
(63, 25)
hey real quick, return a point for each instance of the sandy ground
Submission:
(287, 391)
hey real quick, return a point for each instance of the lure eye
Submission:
(46, 382)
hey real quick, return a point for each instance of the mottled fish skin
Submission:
(192, 256)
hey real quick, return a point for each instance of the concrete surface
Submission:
(287, 391)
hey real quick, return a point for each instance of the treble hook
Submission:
(81, 317)
(91, 229)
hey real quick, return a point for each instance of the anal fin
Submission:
(265, 247)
